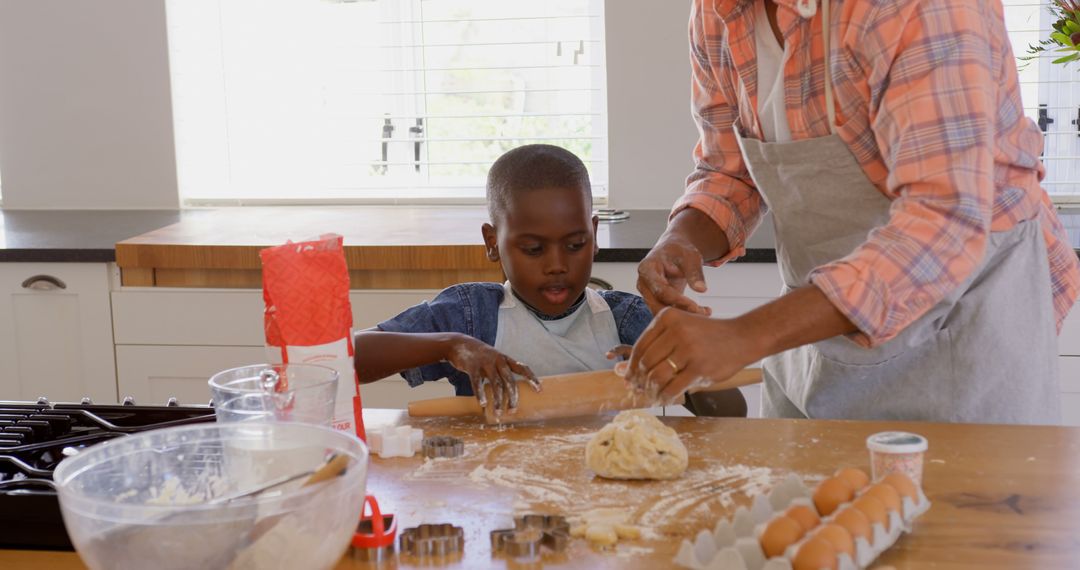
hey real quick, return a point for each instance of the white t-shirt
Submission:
(770, 79)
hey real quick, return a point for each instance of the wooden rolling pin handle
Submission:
(744, 377)
(446, 407)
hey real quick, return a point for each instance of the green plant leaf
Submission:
(1072, 26)
(1061, 38)
(1067, 58)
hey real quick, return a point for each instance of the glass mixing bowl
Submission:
(160, 499)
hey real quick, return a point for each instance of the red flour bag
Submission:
(308, 317)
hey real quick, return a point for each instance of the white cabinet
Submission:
(56, 332)
(170, 341)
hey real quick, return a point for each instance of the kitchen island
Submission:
(1003, 496)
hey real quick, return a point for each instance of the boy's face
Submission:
(545, 241)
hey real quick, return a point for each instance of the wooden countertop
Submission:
(1003, 496)
(386, 247)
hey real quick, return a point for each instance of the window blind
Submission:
(384, 100)
(1051, 95)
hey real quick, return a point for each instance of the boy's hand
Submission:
(484, 364)
(621, 353)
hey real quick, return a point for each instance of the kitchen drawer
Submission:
(1069, 372)
(394, 392)
(153, 374)
(1069, 340)
(1070, 410)
(218, 317)
(743, 280)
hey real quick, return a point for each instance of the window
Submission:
(1051, 95)
(384, 100)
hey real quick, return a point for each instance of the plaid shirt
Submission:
(928, 103)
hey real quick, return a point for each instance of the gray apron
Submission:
(578, 342)
(986, 353)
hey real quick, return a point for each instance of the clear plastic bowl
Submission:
(142, 501)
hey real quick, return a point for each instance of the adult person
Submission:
(925, 272)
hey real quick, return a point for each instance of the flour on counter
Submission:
(544, 473)
(625, 551)
(535, 487)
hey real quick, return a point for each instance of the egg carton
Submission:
(733, 544)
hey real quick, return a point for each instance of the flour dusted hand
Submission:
(635, 445)
(485, 365)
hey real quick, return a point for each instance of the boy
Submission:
(544, 320)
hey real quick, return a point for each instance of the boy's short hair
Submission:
(533, 167)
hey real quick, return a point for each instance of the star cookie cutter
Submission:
(443, 446)
(532, 533)
(432, 540)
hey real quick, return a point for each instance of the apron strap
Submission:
(808, 9)
(830, 106)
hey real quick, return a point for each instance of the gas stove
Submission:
(36, 436)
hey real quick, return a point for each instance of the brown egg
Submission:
(903, 485)
(831, 493)
(780, 533)
(855, 478)
(815, 554)
(886, 494)
(874, 510)
(856, 523)
(839, 537)
(804, 515)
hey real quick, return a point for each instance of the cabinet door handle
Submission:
(43, 283)
(598, 283)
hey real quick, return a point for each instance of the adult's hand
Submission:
(672, 264)
(682, 350)
(691, 239)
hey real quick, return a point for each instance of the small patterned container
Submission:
(897, 451)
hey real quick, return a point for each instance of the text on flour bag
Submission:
(308, 317)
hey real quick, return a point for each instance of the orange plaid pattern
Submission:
(928, 103)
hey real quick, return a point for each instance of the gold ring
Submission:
(674, 366)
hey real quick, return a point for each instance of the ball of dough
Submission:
(635, 445)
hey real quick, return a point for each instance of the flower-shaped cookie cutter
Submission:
(432, 540)
(530, 534)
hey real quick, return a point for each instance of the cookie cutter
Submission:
(530, 534)
(432, 540)
(443, 446)
(373, 540)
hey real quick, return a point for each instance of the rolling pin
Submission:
(563, 396)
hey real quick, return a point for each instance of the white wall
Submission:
(650, 132)
(85, 112)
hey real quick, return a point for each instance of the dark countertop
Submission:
(87, 236)
(91, 235)
(629, 240)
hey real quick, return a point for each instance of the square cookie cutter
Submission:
(443, 446)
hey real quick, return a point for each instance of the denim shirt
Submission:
(473, 309)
